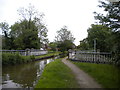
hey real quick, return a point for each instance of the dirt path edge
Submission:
(84, 80)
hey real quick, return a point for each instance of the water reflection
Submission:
(24, 75)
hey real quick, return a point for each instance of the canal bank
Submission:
(57, 75)
(23, 75)
(46, 56)
(14, 59)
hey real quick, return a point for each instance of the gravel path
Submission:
(84, 80)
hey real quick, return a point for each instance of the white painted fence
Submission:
(26, 52)
(93, 57)
(36, 53)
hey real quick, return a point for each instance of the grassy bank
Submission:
(57, 75)
(16, 58)
(12, 59)
(47, 55)
(107, 75)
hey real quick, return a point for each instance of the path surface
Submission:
(84, 80)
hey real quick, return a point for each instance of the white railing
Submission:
(93, 57)
(36, 53)
(26, 52)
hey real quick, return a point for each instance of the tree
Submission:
(65, 46)
(112, 20)
(30, 31)
(64, 39)
(4, 27)
(6, 40)
(63, 34)
(28, 13)
(112, 17)
(42, 32)
(53, 46)
(101, 34)
(83, 45)
(23, 36)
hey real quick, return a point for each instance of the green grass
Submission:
(47, 55)
(57, 75)
(107, 75)
(16, 58)
(12, 59)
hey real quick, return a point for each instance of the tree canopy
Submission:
(23, 36)
(63, 34)
(112, 16)
(101, 34)
(64, 39)
(4, 27)
(107, 32)
(112, 20)
(29, 32)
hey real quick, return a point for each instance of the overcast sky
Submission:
(77, 15)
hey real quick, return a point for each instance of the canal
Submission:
(23, 75)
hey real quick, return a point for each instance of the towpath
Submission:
(84, 80)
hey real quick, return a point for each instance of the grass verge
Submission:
(107, 75)
(57, 75)
(47, 55)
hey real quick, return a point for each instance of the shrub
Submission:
(12, 59)
(32, 57)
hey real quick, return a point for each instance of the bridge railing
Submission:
(21, 52)
(26, 52)
(93, 57)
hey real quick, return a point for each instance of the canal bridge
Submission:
(92, 57)
(27, 52)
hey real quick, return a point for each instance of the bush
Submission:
(64, 54)
(32, 57)
(5, 58)
(12, 59)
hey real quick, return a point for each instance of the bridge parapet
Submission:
(93, 57)
(26, 52)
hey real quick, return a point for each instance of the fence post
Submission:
(69, 53)
(27, 51)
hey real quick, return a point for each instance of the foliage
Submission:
(64, 54)
(107, 32)
(16, 58)
(27, 13)
(6, 40)
(63, 34)
(83, 45)
(31, 14)
(42, 32)
(12, 59)
(23, 36)
(64, 39)
(106, 75)
(29, 32)
(4, 27)
(112, 16)
(112, 20)
(102, 35)
(57, 75)
(53, 46)
(65, 46)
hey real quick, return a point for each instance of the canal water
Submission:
(23, 75)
